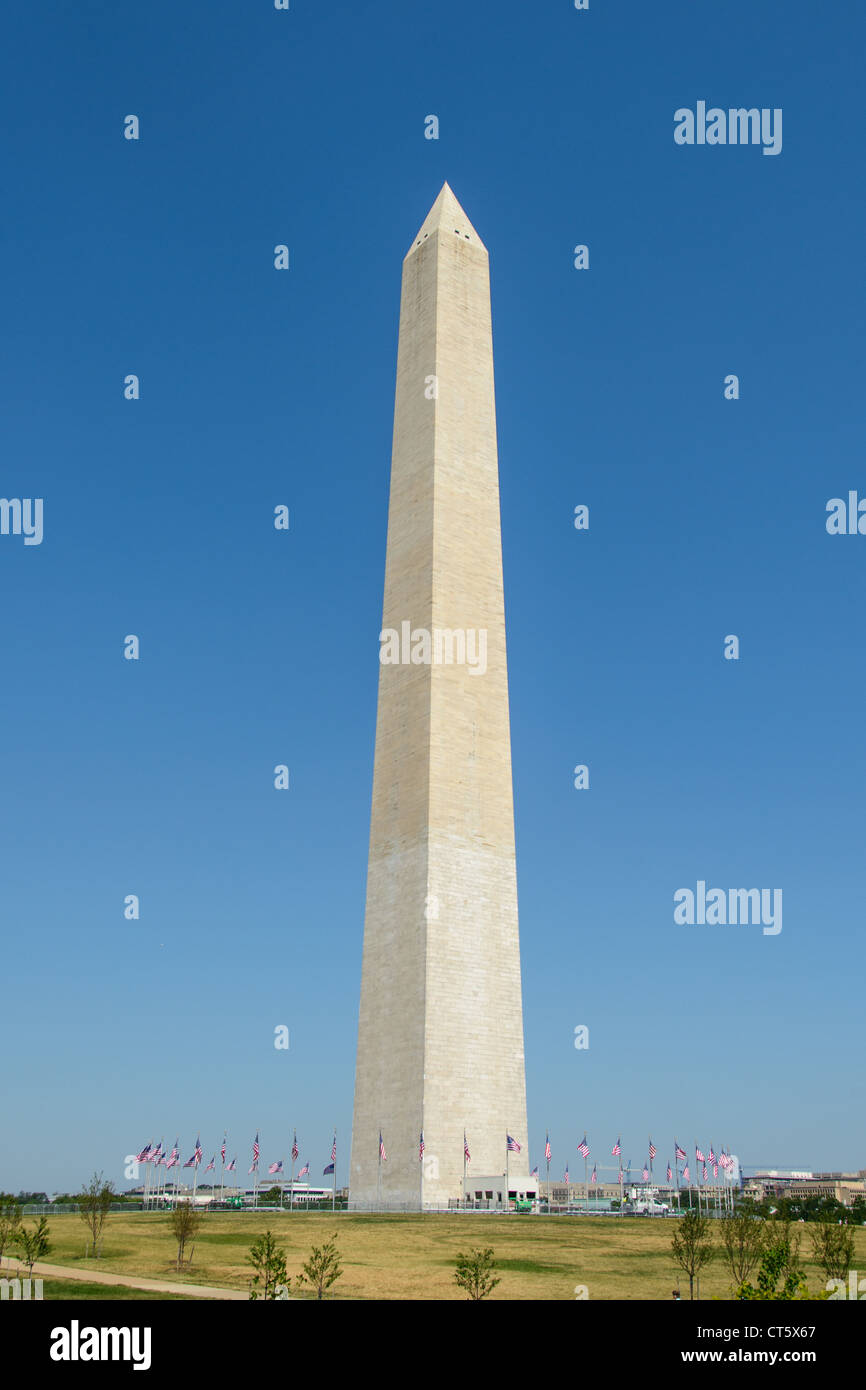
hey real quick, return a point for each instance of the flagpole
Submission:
(379, 1174)
(463, 1203)
(507, 1184)
(294, 1161)
(697, 1178)
(334, 1202)
(729, 1191)
(547, 1160)
(586, 1181)
(223, 1173)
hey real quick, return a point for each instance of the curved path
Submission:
(130, 1281)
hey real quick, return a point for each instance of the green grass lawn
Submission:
(412, 1257)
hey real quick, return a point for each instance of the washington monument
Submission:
(440, 1035)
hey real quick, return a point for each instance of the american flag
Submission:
(534, 1173)
(334, 1150)
(711, 1157)
(421, 1146)
(512, 1145)
(652, 1151)
(620, 1175)
(617, 1148)
(211, 1164)
(190, 1161)
(157, 1154)
(645, 1173)
(699, 1156)
(583, 1147)
(670, 1174)
(705, 1172)
(715, 1170)
(276, 1167)
(382, 1154)
(256, 1148)
(230, 1167)
(295, 1149)
(304, 1171)
(547, 1148)
(199, 1152)
(327, 1170)
(686, 1173)
(223, 1150)
(466, 1154)
(594, 1177)
(144, 1156)
(680, 1153)
(567, 1179)
(725, 1160)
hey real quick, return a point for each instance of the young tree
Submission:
(269, 1262)
(94, 1202)
(780, 1261)
(33, 1244)
(323, 1268)
(833, 1248)
(743, 1241)
(474, 1273)
(10, 1221)
(184, 1223)
(692, 1245)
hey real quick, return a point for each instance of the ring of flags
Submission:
(160, 1157)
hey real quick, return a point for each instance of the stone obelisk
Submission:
(440, 1036)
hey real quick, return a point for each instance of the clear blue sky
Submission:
(707, 517)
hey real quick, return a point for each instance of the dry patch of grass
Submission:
(413, 1257)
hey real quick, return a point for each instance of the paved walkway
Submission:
(130, 1281)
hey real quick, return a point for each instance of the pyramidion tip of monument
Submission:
(446, 216)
